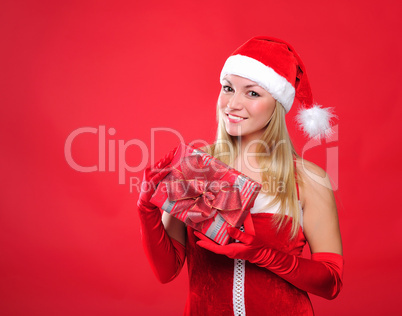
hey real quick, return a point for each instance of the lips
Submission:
(235, 118)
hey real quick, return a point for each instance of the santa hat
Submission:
(276, 67)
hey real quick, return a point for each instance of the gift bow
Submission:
(201, 190)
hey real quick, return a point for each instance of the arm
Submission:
(320, 216)
(175, 228)
(320, 275)
(164, 248)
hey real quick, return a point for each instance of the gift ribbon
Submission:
(199, 189)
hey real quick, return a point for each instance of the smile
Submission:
(235, 119)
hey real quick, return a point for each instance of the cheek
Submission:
(264, 109)
(222, 102)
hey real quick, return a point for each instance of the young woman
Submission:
(261, 273)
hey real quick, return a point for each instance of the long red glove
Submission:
(165, 255)
(322, 275)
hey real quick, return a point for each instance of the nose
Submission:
(234, 102)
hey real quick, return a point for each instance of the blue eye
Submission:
(227, 88)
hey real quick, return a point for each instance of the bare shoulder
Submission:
(312, 175)
(305, 166)
(314, 183)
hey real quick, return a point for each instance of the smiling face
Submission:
(245, 107)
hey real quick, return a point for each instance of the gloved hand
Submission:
(152, 176)
(249, 248)
(165, 255)
(322, 275)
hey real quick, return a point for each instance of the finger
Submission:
(156, 174)
(160, 175)
(202, 236)
(162, 164)
(211, 247)
(148, 174)
(232, 251)
(166, 160)
(239, 235)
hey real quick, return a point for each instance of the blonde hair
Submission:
(275, 154)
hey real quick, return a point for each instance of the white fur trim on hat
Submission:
(315, 121)
(265, 76)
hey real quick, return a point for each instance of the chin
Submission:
(233, 133)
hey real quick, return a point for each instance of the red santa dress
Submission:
(223, 286)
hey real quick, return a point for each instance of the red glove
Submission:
(322, 275)
(152, 176)
(165, 255)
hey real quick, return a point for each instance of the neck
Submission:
(248, 144)
(247, 149)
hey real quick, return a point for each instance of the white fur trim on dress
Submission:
(265, 76)
(315, 121)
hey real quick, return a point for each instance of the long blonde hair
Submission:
(275, 156)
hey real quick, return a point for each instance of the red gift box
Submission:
(205, 193)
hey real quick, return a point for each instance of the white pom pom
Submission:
(315, 121)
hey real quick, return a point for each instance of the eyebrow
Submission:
(248, 86)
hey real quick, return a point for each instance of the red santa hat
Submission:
(276, 67)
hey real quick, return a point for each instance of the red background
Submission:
(70, 241)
